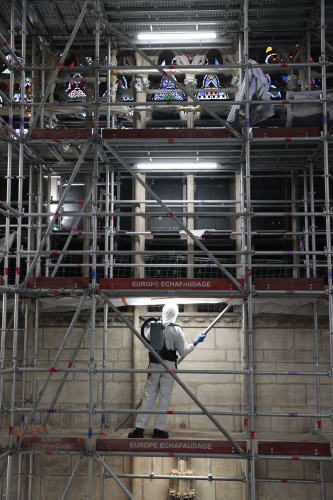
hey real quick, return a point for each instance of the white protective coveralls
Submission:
(162, 383)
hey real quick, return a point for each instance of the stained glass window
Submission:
(125, 97)
(75, 89)
(272, 92)
(212, 82)
(173, 95)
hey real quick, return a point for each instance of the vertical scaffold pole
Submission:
(94, 260)
(315, 321)
(6, 270)
(313, 224)
(30, 195)
(40, 196)
(106, 307)
(108, 83)
(48, 208)
(18, 258)
(23, 392)
(33, 392)
(112, 227)
(306, 224)
(248, 245)
(328, 213)
(7, 223)
(91, 395)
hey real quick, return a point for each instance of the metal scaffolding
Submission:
(54, 149)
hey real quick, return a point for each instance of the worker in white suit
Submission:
(162, 383)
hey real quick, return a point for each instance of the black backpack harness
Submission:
(157, 340)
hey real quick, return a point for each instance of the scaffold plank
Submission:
(58, 282)
(289, 283)
(293, 448)
(169, 445)
(53, 443)
(167, 284)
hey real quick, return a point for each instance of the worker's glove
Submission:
(200, 338)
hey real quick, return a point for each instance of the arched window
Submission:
(212, 82)
(173, 95)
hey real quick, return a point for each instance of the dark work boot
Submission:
(137, 433)
(159, 434)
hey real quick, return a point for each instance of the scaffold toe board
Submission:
(169, 445)
(58, 282)
(167, 284)
(53, 443)
(293, 448)
(289, 283)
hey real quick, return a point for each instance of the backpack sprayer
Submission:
(151, 321)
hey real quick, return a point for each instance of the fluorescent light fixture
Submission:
(174, 37)
(178, 166)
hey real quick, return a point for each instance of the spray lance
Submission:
(154, 320)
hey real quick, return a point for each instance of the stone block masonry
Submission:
(280, 344)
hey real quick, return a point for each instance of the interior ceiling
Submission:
(277, 23)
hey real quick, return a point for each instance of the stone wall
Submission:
(280, 344)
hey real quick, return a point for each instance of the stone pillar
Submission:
(139, 225)
(190, 84)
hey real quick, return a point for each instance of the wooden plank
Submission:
(56, 283)
(289, 284)
(167, 284)
(168, 445)
(293, 448)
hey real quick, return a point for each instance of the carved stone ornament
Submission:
(190, 82)
(140, 83)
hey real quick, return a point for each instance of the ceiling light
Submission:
(178, 166)
(173, 37)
